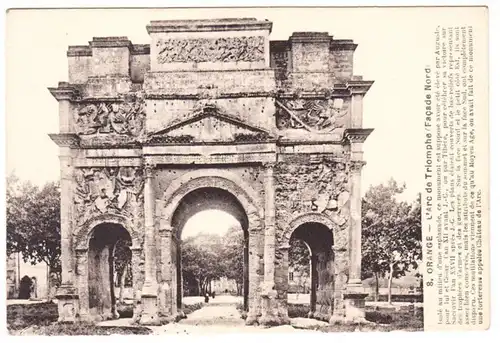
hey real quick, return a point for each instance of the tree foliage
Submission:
(299, 258)
(391, 236)
(33, 222)
(208, 257)
(233, 256)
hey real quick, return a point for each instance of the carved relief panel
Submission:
(117, 190)
(315, 115)
(224, 49)
(318, 187)
(122, 118)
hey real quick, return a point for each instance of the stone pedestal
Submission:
(354, 301)
(67, 304)
(270, 316)
(149, 314)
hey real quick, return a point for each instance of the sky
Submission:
(394, 45)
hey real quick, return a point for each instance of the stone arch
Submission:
(249, 201)
(311, 217)
(212, 178)
(85, 232)
(321, 260)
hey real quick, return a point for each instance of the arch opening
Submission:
(222, 254)
(311, 257)
(109, 256)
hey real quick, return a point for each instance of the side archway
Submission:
(84, 233)
(311, 217)
(95, 243)
(316, 230)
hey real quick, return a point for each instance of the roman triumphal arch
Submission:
(211, 114)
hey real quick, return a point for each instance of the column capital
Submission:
(356, 166)
(165, 230)
(269, 165)
(149, 167)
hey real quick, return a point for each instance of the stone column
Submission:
(137, 282)
(253, 265)
(165, 300)
(314, 284)
(149, 296)
(269, 294)
(67, 295)
(82, 280)
(354, 297)
(281, 282)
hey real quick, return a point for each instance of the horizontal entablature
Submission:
(215, 149)
(256, 157)
(209, 82)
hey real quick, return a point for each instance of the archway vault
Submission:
(84, 233)
(210, 178)
(310, 217)
(194, 192)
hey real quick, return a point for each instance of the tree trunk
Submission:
(389, 290)
(200, 290)
(377, 290)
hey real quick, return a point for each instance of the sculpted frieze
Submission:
(117, 190)
(122, 118)
(224, 49)
(317, 115)
(318, 187)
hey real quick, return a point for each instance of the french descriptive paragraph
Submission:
(452, 201)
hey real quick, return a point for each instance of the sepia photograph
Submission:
(241, 170)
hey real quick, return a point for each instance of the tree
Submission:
(391, 234)
(299, 260)
(233, 256)
(201, 262)
(33, 224)
(122, 260)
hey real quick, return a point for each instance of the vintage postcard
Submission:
(242, 170)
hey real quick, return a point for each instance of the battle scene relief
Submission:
(316, 115)
(115, 190)
(122, 118)
(316, 187)
(223, 49)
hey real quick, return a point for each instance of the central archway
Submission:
(204, 190)
(197, 201)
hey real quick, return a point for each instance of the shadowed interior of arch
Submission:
(102, 257)
(317, 242)
(207, 202)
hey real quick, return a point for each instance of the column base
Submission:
(67, 304)
(149, 315)
(354, 301)
(269, 306)
(166, 319)
(252, 319)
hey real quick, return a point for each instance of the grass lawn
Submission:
(380, 319)
(41, 319)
